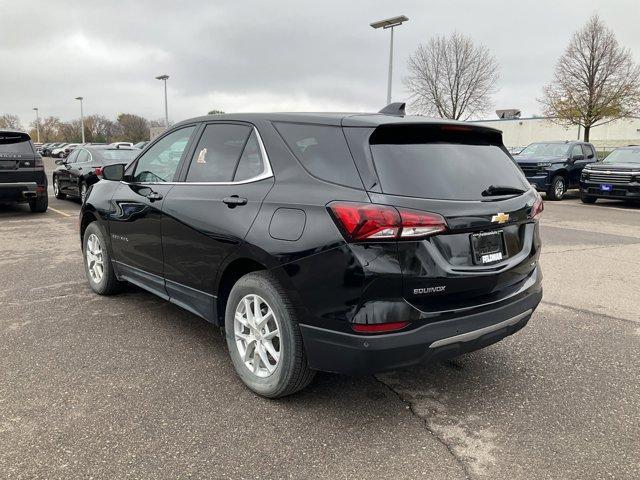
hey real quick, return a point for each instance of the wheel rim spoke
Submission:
(257, 335)
(95, 263)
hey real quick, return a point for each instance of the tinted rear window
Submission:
(322, 150)
(428, 163)
(15, 143)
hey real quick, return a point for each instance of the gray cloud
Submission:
(266, 55)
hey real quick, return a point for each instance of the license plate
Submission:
(487, 247)
(606, 188)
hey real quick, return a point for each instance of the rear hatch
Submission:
(17, 158)
(465, 175)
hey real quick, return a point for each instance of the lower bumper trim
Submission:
(473, 335)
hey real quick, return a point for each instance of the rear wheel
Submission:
(97, 264)
(56, 189)
(557, 188)
(39, 204)
(587, 198)
(263, 337)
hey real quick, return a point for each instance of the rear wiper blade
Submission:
(493, 190)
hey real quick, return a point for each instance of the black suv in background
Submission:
(349, 243)
(22, 177)
(83, 167)
(555, 167)
(617, 176)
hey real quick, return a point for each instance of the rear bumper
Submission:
(21, 191)
(353, 354)
(620, 192)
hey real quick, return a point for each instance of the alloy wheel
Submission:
(83, 192)
(257, 335)
(56, 187)
(95, 258)
(559, 188)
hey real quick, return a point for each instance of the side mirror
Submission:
(113, 172)
(60, 161)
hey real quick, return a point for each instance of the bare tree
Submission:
(595, 81)
(10, 121)
(450, 77)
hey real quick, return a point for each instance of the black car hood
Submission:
(618, 167)
(533, 160)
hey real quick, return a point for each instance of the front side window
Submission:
(218, 153)
(160, 162)
(576, 151)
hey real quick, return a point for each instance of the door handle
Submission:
(234, 201)
(153, 196)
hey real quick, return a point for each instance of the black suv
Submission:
(555, 167)
(617, 176)
(349, 243)
(83, 167)
(22, 177)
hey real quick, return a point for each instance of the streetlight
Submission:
(37, 123)
(166, 109)
(81, 117)
(390, 23)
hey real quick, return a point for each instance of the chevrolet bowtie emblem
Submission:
(500, 218)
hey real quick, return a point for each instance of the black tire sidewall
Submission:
(271, 386)
(552, 189)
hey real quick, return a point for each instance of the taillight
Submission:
(538, 207)
(366, 221)
(379, 327)
(98, 171)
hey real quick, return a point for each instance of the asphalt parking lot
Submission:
(134, 387)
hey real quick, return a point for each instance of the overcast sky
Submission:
(270, 55)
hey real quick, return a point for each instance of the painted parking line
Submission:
(64, 214)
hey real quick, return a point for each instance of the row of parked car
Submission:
(555, 167)
(62, 149)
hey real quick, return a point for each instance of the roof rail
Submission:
(394, 109)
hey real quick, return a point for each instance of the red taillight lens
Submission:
(366, 221)
(98, 171)
(379, 327)
(537, 209)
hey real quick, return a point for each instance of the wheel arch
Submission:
(232, 272)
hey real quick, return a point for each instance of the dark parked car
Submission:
(83, 167)
(555, 167)
(48, 148)
(336, 242)
(617, 176)
(22, 177)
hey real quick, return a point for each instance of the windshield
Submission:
(626, 155)
(447, 171)
(545, 150)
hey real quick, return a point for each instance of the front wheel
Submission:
(97, 264)
(264, 340)
(587, 198)
(557, 188)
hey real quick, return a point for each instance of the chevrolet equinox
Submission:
(349, 243)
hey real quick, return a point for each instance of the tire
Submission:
(106, 283)
(290, 372)
(83, 191)
(56, 189)
(61, 155)
(39, 204)
(587, 198)
(557, 188)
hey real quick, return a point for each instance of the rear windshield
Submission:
(15, 143)
(429, 163)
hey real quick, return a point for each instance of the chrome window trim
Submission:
(266, 173)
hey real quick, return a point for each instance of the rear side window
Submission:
(322, 150)
(430, 163)
(15, 143)
(218, 153)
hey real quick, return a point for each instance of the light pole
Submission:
(37, 123)
(81, 117)
(390, 23)
(166, 108)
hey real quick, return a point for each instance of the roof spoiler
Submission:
(394, 109)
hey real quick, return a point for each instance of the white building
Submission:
(520, 132)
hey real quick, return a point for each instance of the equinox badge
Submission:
(500, 218)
